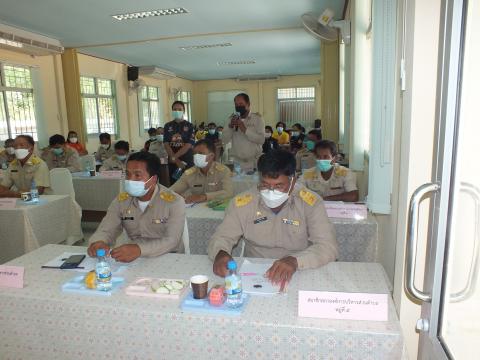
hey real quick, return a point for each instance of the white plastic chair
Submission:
(88, 160)
(186, 238)
(61, 182)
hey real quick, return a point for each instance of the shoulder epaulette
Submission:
(167, 196)
(220, 167)
(309, 174)
(35, 160)
(341, 171)
(307, 196)
(190, 171)
(242, 200)
(123, 196)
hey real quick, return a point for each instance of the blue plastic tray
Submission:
(203, 306)
(77, 285)
(40, 202)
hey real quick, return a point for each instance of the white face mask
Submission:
(275, 198)
(10, 150)
(268, 135)
(21, 153)
(136, 188)
(105, 146)
(279, 129)
(200, 160)
(73, 140)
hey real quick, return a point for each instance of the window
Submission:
(296, 105)
(150, 107)
(220, 105)
(17, 105)
(185, 96)
(99, 107)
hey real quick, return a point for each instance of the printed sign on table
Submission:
(8, 203)
(11, 276)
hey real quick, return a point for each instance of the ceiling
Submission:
(266, 31)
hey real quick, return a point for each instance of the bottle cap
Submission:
(232, 265)
(100, 252)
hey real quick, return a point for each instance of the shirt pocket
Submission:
(155, 225)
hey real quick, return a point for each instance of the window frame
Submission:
(141, 112)
(314, 98)
(97, 96)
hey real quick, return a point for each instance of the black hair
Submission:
(152, 131)
(151, 160)
(212, 123)
(56, 139)
(178, 102)
(327, 144)
(104, 136)
(8, 140)
(122, 145)
(277, 162)
(281, 123)
(297, 125)
(70, 133)
(244, 97)
(208, 143)
(220, 126)
(268, 127)
(317, 133)
(28, 138)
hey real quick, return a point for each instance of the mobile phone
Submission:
(72, 262)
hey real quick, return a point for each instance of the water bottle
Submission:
(4, 166)
(237, 168)
(233, 286)
(103, 272)
(34, 192)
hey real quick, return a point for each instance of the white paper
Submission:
(254, 280)
(88, 264)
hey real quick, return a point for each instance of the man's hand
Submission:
(241, 126)
(195, 198)
(282, 271)
(220, 263)
(92, 249)
(126, 253)
(180, 164)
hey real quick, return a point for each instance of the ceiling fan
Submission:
(323, 27)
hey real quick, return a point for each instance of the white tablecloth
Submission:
(41, 322)
(96, 193)
(357, 239)
(27, 227)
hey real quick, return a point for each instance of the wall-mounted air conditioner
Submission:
(15, 39)
(155, 72)
(258, 78)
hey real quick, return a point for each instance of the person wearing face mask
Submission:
(305, 157)
(152, 137)
(297, 137)
(281, 135)
(328, 179)
(207, 180)
(270, 142)
(178, 141)
(105, 150)
(152, 216)
(72, 141)
(7, 155)
(59, 155)
(24, 169)
(212, 134)
(246, 132)
(119, 160)
(278, 220)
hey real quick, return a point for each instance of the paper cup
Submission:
(199, 284)
(26, 196)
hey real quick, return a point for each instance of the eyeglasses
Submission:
(277, 187)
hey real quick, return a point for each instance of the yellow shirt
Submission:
(283, 138)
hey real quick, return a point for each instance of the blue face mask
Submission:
(324, 165)
(310, 145)
(177, 115)
(57, 151)
(122, 157)
(136, 188)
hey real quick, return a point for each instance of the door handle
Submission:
(412, 239)
(473, 272)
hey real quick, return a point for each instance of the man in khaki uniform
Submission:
(105, 150)
(207, 180)
(7, 155)
(246, 132)
(59, 155)
(152, 216)
(24, 169)
(280, 221)
(330, 180)
(305, 157)
(118, 161)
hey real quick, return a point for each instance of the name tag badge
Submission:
(13, 170)
(260, 220)
(199, 185)
(160, 221)
(127, 218)
(291, 222)
(336, 188)
(212, 184)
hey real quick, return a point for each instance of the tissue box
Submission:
(346, 210)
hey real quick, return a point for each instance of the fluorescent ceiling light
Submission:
(236, 62)
(11, 43)
(145, 14)
(205, 46)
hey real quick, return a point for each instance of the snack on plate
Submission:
(91, 280)
(172, 287)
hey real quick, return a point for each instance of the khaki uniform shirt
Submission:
(20, 177)
(103, 154)
(157, 230)
(217, 184)
(301, 229)
(158, 148)
(69, 160)
(307, 157)
(113, 163)
(5, 158)
(341, 181)
(247, 147)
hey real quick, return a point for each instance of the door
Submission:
(449, 327)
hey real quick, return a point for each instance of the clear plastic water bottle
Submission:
(4, 166)
(233, 286)
(237, 168)
(103, 272)
(34, 192)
